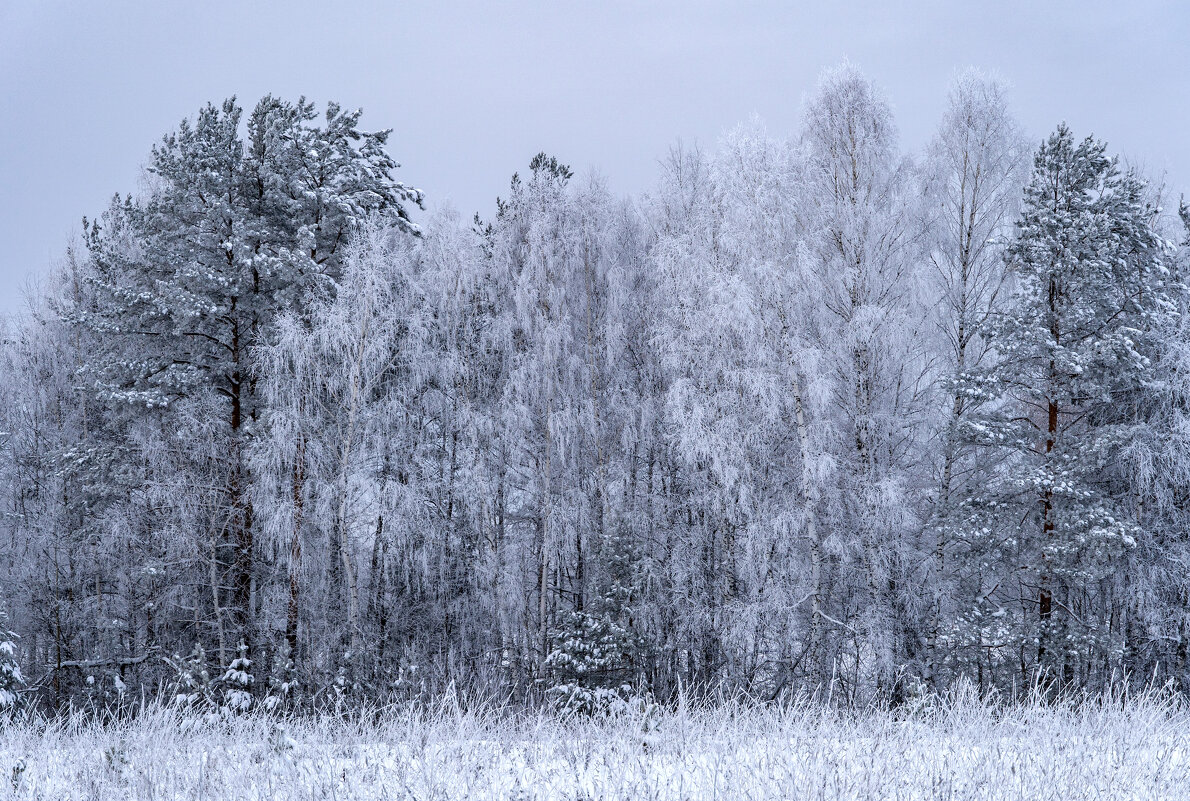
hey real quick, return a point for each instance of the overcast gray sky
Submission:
(474, 89)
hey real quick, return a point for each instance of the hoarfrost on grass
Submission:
(1135, 750)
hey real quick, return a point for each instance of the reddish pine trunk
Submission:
(295, 553)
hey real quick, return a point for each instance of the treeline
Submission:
(810, 416)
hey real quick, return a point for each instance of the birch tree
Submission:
(865, 247)
(975, 169)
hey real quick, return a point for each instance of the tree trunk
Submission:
(1045, 592)
(543, 518)
(295, 551)
(240, 504)
(810, 499)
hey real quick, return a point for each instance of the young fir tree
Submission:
(11, 680)
(595, 652)
(1074, 347)
(237, 682)
(193, 682)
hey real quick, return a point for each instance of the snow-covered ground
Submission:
(1138, 750)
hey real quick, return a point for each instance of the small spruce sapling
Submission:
(237, 682)
(194, 682)
(11, 680)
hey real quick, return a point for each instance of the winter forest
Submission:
(813, 417)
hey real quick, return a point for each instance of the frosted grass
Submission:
(1139, 749)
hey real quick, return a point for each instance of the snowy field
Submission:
(1140, 750)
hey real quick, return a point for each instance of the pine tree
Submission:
(1074, 347)
(232, 233)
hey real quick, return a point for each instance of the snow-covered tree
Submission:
(976, 166)
(232, 232)
(1075, 347)
(744, 423)
(868, 327)
(237, 681)
(11, 680)
(807, 417)
(1152, 475)
(326, 376)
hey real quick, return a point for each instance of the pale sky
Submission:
(474, 89)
